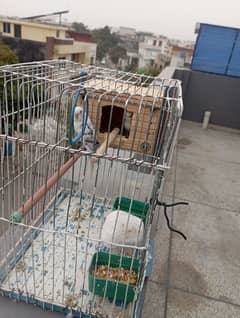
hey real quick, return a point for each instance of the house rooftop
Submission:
(33, 21)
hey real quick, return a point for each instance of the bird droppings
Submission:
(76, 214)
(71, 301)
(39, 261)
(20, 267)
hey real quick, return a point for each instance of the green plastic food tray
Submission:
(138, 208)
(122, 293)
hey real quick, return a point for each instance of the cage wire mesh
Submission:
(84, 152)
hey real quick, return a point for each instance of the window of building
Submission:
(6, 27)
(92, 60)
(57, 33)
(154, 42)
(160, 43)
(17, 30)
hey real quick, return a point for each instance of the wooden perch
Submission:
(109, 139)
(39, 194)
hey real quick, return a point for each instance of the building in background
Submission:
(182, 43)
(143, 49)
(125, 32)
(129, 40)
(131, 59)
(154, 50)
(181, 56)
(36, 40)
(147, 50)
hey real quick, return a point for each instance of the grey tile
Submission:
(10, 309)
(161, 250)
(169, 181)
(183, 305)
(213, 143)
(154, 301)
(160, 232)
(170, 177)
(207, 263)
(212, 182)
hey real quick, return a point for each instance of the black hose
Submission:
(165, 206)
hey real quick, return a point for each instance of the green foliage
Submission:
(149, 71)
(12, 98)
(152, 71)
(130, 68)
(141, 70)
(7, 55)
(79, 27)
(105, 41)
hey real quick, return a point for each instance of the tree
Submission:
(80, 27)
(131, 68)
(105, 41)
(148, 70)
(152, 71)
(7, 55)
(117, 52)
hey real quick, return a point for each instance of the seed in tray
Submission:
(115, 273)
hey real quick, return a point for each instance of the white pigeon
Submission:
(89, 132)
(40, 130)
(123, 228)
(127, 121)
(78, 116)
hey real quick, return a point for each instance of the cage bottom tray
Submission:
(53, 268)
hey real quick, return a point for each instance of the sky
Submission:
(173, 18)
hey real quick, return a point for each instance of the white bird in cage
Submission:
(41, 129)
(78, 115)
(123, 228)
(89, 132)
(127, 121)
(52, 173)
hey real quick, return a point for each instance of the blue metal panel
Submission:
(234, 64)
(214, 49)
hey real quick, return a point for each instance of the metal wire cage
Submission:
(84, 152)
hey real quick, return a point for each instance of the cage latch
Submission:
(165, 207)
